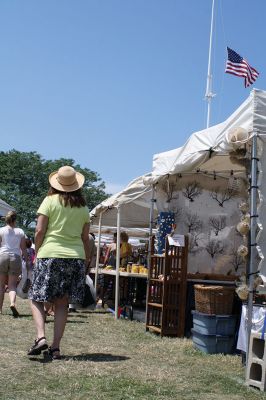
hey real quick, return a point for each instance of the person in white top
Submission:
(12, 247)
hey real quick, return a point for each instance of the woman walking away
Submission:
(12, 245)
(61, 245)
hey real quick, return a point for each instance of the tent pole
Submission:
(98, 251)
(253, 226)
(153, 200)
(117, 263)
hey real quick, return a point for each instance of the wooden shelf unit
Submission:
(166, 292)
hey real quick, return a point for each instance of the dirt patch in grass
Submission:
(108, 359)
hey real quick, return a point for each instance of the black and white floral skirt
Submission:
(56, 277)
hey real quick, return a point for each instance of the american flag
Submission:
(237, 65)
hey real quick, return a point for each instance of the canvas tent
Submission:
(233, 150)
(4, 208)
(218, 140)
(129, 208)
(132, 232)
(222, 159)
(221, 152)
(134, 203)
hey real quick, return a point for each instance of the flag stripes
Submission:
(238, 66)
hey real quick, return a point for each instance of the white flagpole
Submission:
(209, 95)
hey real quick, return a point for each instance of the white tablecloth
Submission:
(258, 316)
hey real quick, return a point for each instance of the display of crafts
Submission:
(131, 268)
(243, 228)
(108, 267)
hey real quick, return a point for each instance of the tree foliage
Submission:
(24, 183)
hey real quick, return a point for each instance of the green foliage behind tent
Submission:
(24, 183)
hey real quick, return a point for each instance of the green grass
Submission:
(108, 359)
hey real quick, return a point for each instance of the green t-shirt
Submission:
(65, 225)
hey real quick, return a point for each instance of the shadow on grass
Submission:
(24, 315)
(72, 321)
(99, 311)
(69, 321)
(78, 316)
(95, 357)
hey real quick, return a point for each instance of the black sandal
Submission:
(37, 348)
(52, 355)
(14, 311)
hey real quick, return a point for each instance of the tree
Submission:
(169, 189)
(222, 197)
(193, 243)
(24, 183)
(236, 260)
(218, 224)
(214, 247)
(192, 190)
(193, 222)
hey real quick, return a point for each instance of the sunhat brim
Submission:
(66, 188)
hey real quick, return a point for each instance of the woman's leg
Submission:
(3, 281)
(12, 287)
(37, 310)
(60, 318)
(48, 308)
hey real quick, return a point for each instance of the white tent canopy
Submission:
(219, 140)
(132, 232)
(134, 202)
(130, 208)
(4, 208)
(210, 151)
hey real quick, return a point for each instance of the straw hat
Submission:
(66, 179)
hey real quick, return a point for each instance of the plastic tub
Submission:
(214, 324)
(213, 344)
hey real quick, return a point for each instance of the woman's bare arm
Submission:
(40, 231)
(23, 248)
(86, 241)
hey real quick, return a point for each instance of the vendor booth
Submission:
(129, 208)
(214, 188)
(211, 191)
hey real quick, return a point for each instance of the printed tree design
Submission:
(214, 247)
(177, 213)
(192, 190)
(217, 223)
(193, 223)
(169, 188)
(193, 244)
(222, 197)
(236, 260)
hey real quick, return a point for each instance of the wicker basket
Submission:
(214, 299)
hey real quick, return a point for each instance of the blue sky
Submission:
(109, 83)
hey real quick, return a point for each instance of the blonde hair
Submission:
(10, 217)
(124, 236)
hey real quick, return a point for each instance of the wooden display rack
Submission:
(166, 292)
